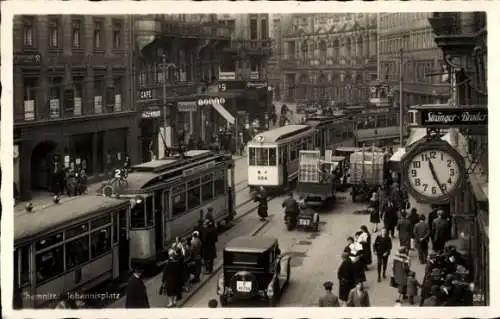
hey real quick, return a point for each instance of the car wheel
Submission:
(223, 300)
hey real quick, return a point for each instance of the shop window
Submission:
(28, 31)
(179, 204)
(49, 264)
(100, 241)
(77, 252)
(137, 219)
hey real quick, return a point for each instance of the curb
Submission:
(216, 270)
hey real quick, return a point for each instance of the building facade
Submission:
(422, 60)
(72, 98)
(329, 57)
(462, 37)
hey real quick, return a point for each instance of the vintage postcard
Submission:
(251, 159)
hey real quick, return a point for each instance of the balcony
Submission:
(339, 62)
(252, 47)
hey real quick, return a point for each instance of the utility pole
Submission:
(401, 98)
(164, 68)
(378, 45)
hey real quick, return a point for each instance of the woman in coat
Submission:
(374, 212)
(366, 243)
(345, 275)
(172, 279)
(355, 250)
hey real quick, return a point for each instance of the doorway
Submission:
(42, 162)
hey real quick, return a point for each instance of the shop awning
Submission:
(223, 112)
(396, 157)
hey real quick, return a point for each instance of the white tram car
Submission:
(273, 156)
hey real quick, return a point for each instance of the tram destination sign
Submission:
(427, 116)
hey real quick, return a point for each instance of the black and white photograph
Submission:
(249, 160)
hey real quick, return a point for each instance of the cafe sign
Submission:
(211, 101)
(446, 116)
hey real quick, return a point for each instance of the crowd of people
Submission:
(183, 268)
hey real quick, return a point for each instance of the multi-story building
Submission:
(177, 67)
(330, 57)
(72, 97)
(278, 24)
(422, 60)
(462, 37)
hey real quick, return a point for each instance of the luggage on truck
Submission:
(366, 172)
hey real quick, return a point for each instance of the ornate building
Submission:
(329, 57)
(73, 102)
(422, 59)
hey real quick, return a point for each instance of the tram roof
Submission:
(247, 244)
(280, 133)
(69, 210)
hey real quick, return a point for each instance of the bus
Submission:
(77, 244)
(168, 199)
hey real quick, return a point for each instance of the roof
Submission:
(250, 244)
(43, 219)
(279, 133)
(155, 163)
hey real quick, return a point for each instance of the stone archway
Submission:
(42, 164)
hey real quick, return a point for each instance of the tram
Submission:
(168, 197)
(75, 244)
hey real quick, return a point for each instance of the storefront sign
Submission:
(257, 85)
(450, 117)
(187, 106)
(211, 101)
(28, 59)
(145, 94)
(224, 76)
(150, 114)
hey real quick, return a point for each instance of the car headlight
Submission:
(270, 290)
(220, 285)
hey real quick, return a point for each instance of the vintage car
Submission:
(253, 268)
(308, 219)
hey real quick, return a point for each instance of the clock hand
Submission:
(434, 176)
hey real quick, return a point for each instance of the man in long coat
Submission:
(421, 233)
(136, 293)
(390, 218)
(405, 230)
(440, 232)
(209, 240)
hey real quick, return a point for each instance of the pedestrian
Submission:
(196, 246)
(261, 197)
(390, 217)
(421, 235)
(414, 218)
(433, 300)
(136, 293)
(382, 248)
(328, 299)
(345, 275)
(430, 219)
(171, 281)
(355, 249)
(405, 231)
(412, 286)
(401, 268)
(374, 212)
(358, 296)
(439, 232)
(365, 240)
(212, 303)
(208, 242)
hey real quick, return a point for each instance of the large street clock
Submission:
(433, 171)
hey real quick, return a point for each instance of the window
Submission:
(77, 95)
(22, 275)
(272, 157)
(100, 241)
(98, 91)
(137, 216)
(76, 34)
(219, 183)
(54, 33)
(149, 211)
(179, 203)
(97, 34)
(77, 230)
(29, 85)
(49, 241)
(118, 94)
(49, 263)
(55, 97)
(253, 29)
(117, 33)
(194, 194)
(77, 252)
(96, 223)
(207, 190)
(262, 156)
(264, 32)
(28, 32)
(252, 159)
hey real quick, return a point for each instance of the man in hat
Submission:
(421, 233)
(136, 293)
(329, 299)
(439, 232)
(196, 246)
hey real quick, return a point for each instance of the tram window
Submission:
(78, 230)
(179, 204)
(220, 185)
(194, 194)
(49, 263)
(100, 241)
(137, 216)
(272, 157)
(262, 156)
(207, 191)
(96, 223)
(24, 267)
(49, 241)
(149, 211)
(251, 156)
(77, 252)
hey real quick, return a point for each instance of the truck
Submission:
(367, 169)
(316, 180)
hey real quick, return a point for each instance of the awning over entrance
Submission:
(217, 100)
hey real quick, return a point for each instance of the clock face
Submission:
(433, 173)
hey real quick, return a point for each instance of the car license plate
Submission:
(243, 286)
(304, 222)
